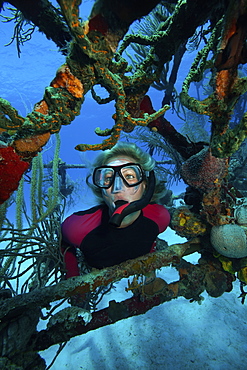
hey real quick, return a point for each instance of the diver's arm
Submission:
(74, 229)
(70, 260)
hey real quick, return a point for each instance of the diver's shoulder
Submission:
(154, 207)
(89, 211)
(157, 213)
(80, 216)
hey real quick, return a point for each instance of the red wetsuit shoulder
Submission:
(79, 224)
(159, 214)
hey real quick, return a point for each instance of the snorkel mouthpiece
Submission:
(124, 208)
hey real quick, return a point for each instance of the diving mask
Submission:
(128, 174)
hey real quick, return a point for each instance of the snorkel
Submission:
(124, 208)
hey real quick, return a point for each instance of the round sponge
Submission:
(229, 240)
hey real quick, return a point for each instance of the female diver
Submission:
(126, 222)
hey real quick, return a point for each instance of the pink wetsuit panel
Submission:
(76, 227)
(158, 214)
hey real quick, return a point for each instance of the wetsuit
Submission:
(104, 245)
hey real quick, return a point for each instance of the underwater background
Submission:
(179, 334)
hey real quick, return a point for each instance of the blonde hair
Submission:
(129, 150)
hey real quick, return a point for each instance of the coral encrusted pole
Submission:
(91, 50)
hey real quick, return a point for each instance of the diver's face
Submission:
(119, 190)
